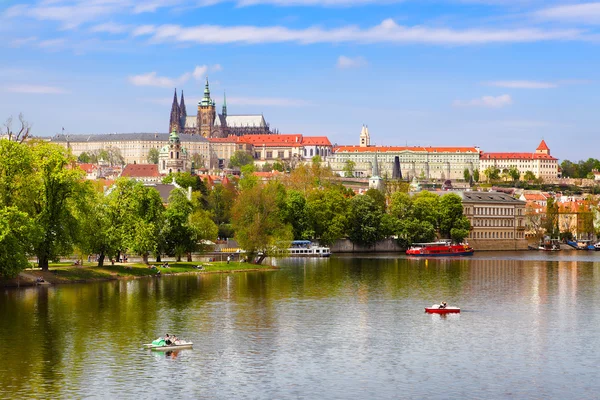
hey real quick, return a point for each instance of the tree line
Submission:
(48, 210)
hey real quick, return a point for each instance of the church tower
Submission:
(365, 138)
(175, 114)
(206, 113)
(224, 112)
(375, 181)
(182, 114)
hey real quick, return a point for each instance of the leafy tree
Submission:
(492, 174)
(476, 175)
(256, 217)
(378, 197)
(267, 167)
(177, 233)
(186, 180)
(349, 166)
(84, 158)
(551, 223)
(153, 156)
(240, 158)
(220, 202)
(569, 170)
(328, 214)
(415, 231)
(514, 173)
(295, 213)
(467, 175)
(15, 229)
(111, 155)
(248, 179)
(198, 161)
(54, 202)
(451, 215)
(364, 220)
(203, 229)
(426, 207)
(529, 176)
(401, 205)
(278, 166)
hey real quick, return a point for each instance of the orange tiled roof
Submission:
(394, 149)
(316, 140)
(535, 197)
(88, 168)
(543, 146)
(286, 140)
(141, 171)
(516, 156)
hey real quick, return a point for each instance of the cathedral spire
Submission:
(224, 105)
(182, 113)
(206, 100)
(175, 114)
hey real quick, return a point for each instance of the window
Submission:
(280, 154)
(269, 154)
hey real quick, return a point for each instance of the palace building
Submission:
(541, 163)
(210, 124)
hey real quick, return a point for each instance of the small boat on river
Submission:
(436, 309)
(440, 249)
(597, 246)
(550, 245)
(163, 345)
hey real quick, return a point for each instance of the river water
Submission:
(339, 328)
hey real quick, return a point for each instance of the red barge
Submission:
(439, 249)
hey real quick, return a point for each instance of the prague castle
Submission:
(210, 124)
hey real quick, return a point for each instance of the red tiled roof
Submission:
(141, 171)
(316, 140)
(394, 149)
(267, 174)
(535, 197)
(88, 168)
(543, 146)
(516, 156)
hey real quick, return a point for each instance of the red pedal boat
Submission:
(435, 309)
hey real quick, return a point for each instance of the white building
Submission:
(541, 163)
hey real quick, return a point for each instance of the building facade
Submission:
(173, 157)
(209, 123)
(421, 162)
(497, 220)
(541, 163)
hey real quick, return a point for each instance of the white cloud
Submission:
(349, 62)
(387, 31)
(110, 27)
(523, 84)
(35, 89)
(583, 12)
(152, 78)
(486, 101)
(267, 101)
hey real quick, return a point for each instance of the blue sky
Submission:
(499, 74)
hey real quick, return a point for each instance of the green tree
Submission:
(401, 205)
(426, 207)
(529, 176)
(256, 217)
(349, 166)
(467, 175)
(186, 180)
(328, 214)
(514, 173)
(295, 213)
(267, 167)
(364, 220)
(153, 156)
(551, 222)
(278, 166)
(476, 176)
(240, 158)
(203, 229)
(451, 215)
(84, 158)
(54, 202)
(492, 174)
(378, 197)
(15, 230)
(177, 233)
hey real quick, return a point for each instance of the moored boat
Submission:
(436, 309)
(550, 245)
(305, 248)
(162, 345)
(597, 246)
(439, 249)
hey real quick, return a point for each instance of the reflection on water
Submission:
(345, 327)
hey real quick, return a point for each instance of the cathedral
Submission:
(210, 124)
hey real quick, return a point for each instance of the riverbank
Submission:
(62, 273)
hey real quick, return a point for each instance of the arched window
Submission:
(177, 156)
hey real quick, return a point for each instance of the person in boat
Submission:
(168, 339)
(443, 304)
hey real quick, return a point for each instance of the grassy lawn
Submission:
(67, 272)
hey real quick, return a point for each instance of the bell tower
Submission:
(206, 113)
(365, 138)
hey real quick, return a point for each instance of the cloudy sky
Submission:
(499, 74)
